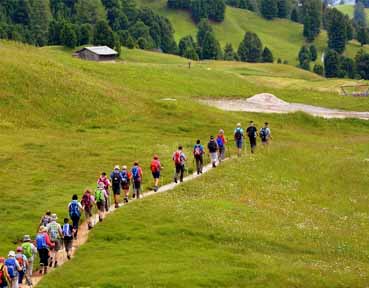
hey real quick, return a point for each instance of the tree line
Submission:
(77, 22)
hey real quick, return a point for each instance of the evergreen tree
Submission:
(362, 35)
(359, 14)
(130, 10)
(294, 15)
(362, 64)
(304, 58)
(349, 28)
(250, 48)
(22, 12)
(210, 48)
(331, 63)
(140, 30)
(269, 9)
(313, 52)
(336, 29)
(54, 33)
(90, 11)
(347, 66)
(191, 53)
(85, 34)
(283, 8)
(142, 43)
(312, 13)
(168, 43)
(186, 43)
(200, 10)
(229, 53)
(267, 56)
(40, 21)
(103, 34)
(68, 36)
(318, 69)
(203, 28)
(217, 10)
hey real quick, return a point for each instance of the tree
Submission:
(331, 63)
(336, 29)
(217, 10)
(304, 58)
(294, 15)
(203, 28)
(140, 30)
(362, 64)
(362, 35)
(190, 53)
(54, 32)
(168, 43)
(267, 56)
(142, 43)
(186, 43)
(200, 10)
(283, 8)
(85, 34)
(90, 11)
(359, 14)
(229, 53)
(250, 48)
(318, 69)
(103, 34)
(210, 47)
(68, 36)
(313, 52)
(269, 9)
(22, 12)
(347, 66)
(312, 14)
(349, 28)
(40, 21)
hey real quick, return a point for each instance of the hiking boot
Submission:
(133, 195)
(175, 180)
(89, 226)
(100, 219)
(56, 264)
(116, 205)
(45, 270)
(126, 200)
(214, 166)
(51, 262)
(156, 188)
(41, 268)
(68, 256)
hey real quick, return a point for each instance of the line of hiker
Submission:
(52, 237)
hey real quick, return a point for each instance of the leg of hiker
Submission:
(75, 221)
(137, 186)
(177, 172)
(116, 181)
(198, 164)
(67, 237)
(182, 169)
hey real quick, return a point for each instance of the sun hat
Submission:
(238, 124)
(11, 254)
(221, 131)
(26, 238)
(116, 167)
(54, 217)
(100, 185)
(124, 167)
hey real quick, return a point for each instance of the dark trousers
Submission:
(199, 163)
(75, 221)
(44, 256)
(179, 172)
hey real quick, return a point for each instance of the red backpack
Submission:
(155, 166)
(86, 200)
(177, 157)
(2, 275)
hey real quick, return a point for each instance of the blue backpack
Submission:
(220, 142)
(135, 173)
(67, 231)
(74, 209)
(12, 267)
(41, 241)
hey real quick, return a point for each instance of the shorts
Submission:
(101, 206)
(253, 141)
(239, 143)
(214, 156)
(88, 212)
(68, 243)
(116, 190)
(136, 186)
(264, 141)
(125, 185)
(156, 174)
(57, 246)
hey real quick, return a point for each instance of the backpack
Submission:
(99, 195)
(2, 275)
(116, 179)
(67, 231)
(177, 157)
(74, 209)
(46, 219)
(20, 259)
(220, 142)
(41, 241)
(154, 166)
(136, 173)
(263, 134)
(212, 146)
(86, 200)
(238, 134)
(27, 250)
(197, 151)
(124, 176)
(53, 232)
(12, 267)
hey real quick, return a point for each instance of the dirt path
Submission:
(268, 103)
(83, 230)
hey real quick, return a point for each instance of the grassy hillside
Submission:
(64, 120)
(282, 36)
(349, 10)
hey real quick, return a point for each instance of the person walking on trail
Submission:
(30, 250)
(213, 151)
(104, 179)
(265, 134)
(126, 180)
(156, 167)
(238, 138)
(56, 235)
(100, 196)
(74, 209)
(67, 237)
(23, 263)
(221, 141)
(87, 204)
(43, 244)
(116, 182)
(4, 276)
(252, 133)
(179, 159)
(13, 268)
(137, 174)
(198, 154)
(45, 219)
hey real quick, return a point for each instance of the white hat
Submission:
(124, 167)
(116, 167)
(11, 254)
(54, 217)
(238, 124)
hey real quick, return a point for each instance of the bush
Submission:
(318, 69)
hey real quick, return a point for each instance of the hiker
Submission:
(87, 203)
(23, 263)
(56, 234)
(221, 141)
(104, 179)
(13, 268)
(100, 196)
(126, 179)
(30, 250)
(4, 276)
(238, 138)
(67, 237)
(252, 133)
(213, 151)
(43, 244)
(156, 167)
(265, 134)
(45, 219)
(179, 159)
(198, 153)
(136, 172)
(116, 182)
(74, 209)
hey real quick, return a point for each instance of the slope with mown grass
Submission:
(282, 36)
(349, 10)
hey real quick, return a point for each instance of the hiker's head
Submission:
(101, 186)
(19, 249)
(66, 220)
(103, 174)
(135, 163)
(42, 229)
(116, 167)
(124, 167)
(211, 137)
(26, 238)
(88, 191)
(180, 147)
(156, 157)
(198, 141)
(2, 260)
(48, 212)
(75, 197)
(11, 254)
(221, 131)
(54, 217)
(266, 124)
(238, 125)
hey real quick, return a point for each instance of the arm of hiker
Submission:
(19, 268)
(48, 242)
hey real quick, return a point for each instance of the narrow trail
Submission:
(83, 229)
(268, 103)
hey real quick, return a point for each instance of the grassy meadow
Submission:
(349, 10)
(293, 216)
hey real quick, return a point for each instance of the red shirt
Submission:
(155, 165)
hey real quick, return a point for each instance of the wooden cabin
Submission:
(97, 53)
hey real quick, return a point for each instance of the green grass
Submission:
(282, 36)
(64, 120)
(349, 10)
